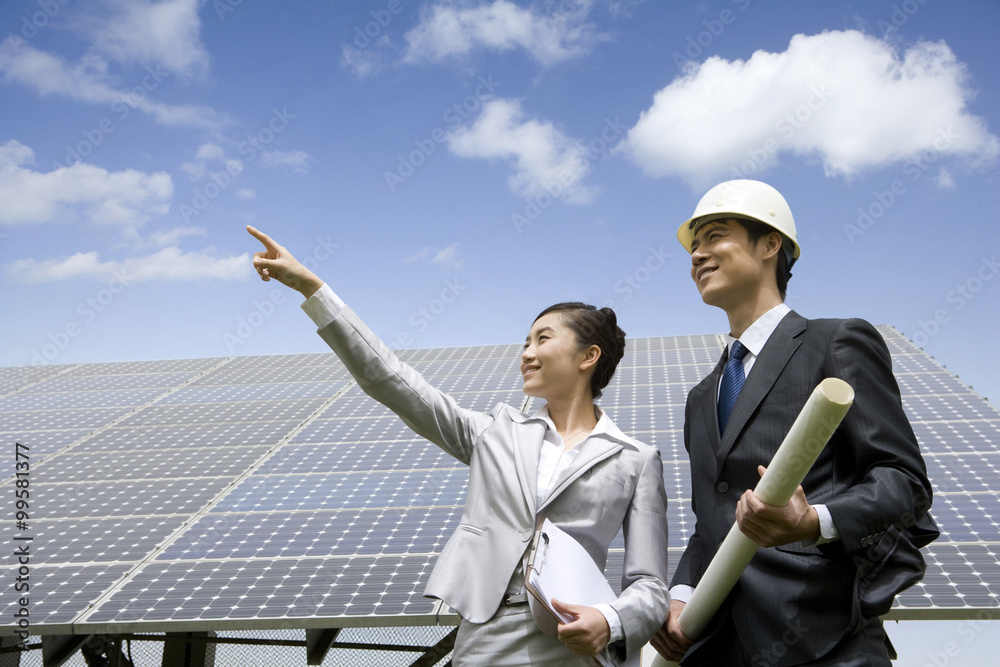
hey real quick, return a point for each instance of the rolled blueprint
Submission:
(813, 428)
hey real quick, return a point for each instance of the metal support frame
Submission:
(57, 649)
(438, 651)
(318, 644)
(189, 649)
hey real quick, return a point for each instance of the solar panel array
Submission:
(270, 492)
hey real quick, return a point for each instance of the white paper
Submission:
(568, 574)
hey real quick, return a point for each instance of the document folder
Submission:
(559, 567)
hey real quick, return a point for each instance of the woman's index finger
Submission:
(263, 238)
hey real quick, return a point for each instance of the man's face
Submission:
(726, 267)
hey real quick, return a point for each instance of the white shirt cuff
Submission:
(614, 622)
(827, 528)
(681, 593)
(323, 306)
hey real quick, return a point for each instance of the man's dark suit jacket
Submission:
(798, 602)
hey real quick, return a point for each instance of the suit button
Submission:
(864, 541)
(526, 534)
(722, 487)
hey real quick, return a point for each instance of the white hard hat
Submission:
(744, 199)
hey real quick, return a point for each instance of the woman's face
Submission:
(552, 358)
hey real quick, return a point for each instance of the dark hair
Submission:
(598, 327)
(757, 230)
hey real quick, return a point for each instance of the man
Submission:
(834, 557)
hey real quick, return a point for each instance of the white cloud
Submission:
(169, 264)
(843, 97)
(246, 194)
(121, 199)
(450, 29)
(143, 31)
(945, 181)
(544, 159)
(365, 61)
(88, 81)
(421, 254)
(199, 170)
(170, 237)
(298, 160)
(448, 257)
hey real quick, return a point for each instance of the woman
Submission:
(567, 462)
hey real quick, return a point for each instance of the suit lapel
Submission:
(593, 451)
(778, 349)
(527, 448)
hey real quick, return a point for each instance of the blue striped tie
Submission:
(732, 382)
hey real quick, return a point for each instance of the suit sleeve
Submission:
(642, 605)
(431, 413)
(875, 440)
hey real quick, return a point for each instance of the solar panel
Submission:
(265, 492)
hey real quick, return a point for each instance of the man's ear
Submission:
(591, 355)
(772, 244)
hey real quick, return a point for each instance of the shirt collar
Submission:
(756, 335)
(605, 426)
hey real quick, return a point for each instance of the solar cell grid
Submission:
(23, 401)
(145, 464)
(138, 367)
(110, 382)
(347, 517)
(243, 589)
(230, 374)
(105, 497)
(132, 438)
(959, 407)
(254, 392)
(413, 454)
(281, 361)
(212, 413)
(969, 473)
(68, 590)
(73, 418)
(310, 534)
(101, 540)
(367, 490)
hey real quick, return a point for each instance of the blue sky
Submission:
(452, 168)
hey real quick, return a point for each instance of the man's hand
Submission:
(773, 526)
(588, 634)
(670, 641)
(276, 262)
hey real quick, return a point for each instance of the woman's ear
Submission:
(590, 357)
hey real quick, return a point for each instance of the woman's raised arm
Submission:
(276, 262)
